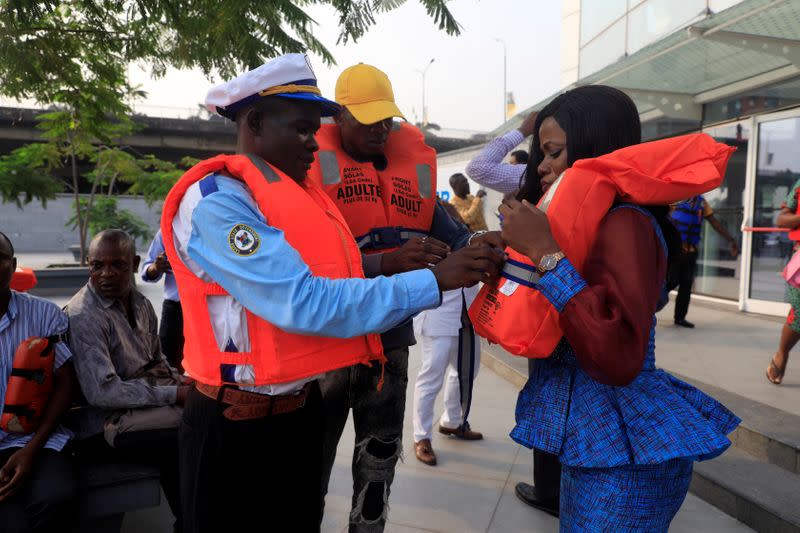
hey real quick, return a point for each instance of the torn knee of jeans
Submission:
(379, 449)
(372, 504)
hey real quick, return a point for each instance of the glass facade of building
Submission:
(613, 29)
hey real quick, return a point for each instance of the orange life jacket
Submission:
(30, 385)
(517, 316)
(315, 228)
(23, 279)
(384, 208)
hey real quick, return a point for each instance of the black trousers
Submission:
(44, 503)
(170, 332)
(546, 468)
(157, 448)
(681, 275)
(251, 475)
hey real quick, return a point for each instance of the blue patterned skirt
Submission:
(624, 498)
(626, 452)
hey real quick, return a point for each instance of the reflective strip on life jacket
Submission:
(424, 180)
(330, 167)
(521, 273)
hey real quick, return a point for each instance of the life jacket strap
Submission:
(521, 273)
(389, 237)
(36, 374)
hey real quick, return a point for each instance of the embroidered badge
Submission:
(243, 240)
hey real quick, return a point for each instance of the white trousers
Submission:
(439, 357)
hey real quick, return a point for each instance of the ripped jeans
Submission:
(378, 421)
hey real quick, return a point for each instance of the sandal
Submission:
(773, 370)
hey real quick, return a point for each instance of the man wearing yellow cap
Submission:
(273, 295)
(382, 177)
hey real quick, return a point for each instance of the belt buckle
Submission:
(385, 237)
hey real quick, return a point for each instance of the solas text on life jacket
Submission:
(312, 224)
(519, 318)
(383, 207)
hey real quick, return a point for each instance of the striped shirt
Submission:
(487, 168)
(29, 316)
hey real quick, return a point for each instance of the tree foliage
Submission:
(73, 56)
(25, 174)
(96, 39)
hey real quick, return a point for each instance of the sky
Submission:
(464, 85)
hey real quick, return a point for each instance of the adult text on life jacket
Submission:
(383, 207)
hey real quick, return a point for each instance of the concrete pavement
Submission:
(472, 488)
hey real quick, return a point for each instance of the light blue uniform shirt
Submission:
(29, 316)
(170, 287)
(275, 283)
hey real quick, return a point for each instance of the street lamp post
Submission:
(425, 109)
(505, 90)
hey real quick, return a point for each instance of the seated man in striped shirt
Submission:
(36, 480)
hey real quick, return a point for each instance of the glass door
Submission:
(718, 272)
(775, 167)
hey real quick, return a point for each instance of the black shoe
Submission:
(527, 493)
(684, 323)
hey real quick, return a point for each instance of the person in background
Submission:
(487, 168)
(440, 331)
(37, 480)
(518, 157)
(470, 208)
(135, 397)
(688, 217)
(788, 218)
(170, 328)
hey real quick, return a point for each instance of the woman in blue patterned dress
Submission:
(625, 432)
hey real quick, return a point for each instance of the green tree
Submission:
(73, 56)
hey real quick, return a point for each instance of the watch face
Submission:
(548, 262)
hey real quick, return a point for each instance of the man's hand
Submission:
(180, 395)
(480, 194)
(416, 253)
(468, 266)
(734, 247)
(489, 238)
(158, 267)
(526, 128)
(15, 472)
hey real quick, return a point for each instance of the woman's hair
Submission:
(597, 120)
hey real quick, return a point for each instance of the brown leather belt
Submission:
(244, 405)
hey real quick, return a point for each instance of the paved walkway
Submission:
(472, 488)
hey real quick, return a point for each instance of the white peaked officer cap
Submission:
(287, 76)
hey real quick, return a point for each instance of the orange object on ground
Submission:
(23, 279)
(516, 315)
(30, 385)
(312, 224)
(384, 208)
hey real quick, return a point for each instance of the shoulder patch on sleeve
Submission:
(243, 240)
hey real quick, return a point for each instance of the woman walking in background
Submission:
(788, 218)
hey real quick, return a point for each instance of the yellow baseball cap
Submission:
(367, 93)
